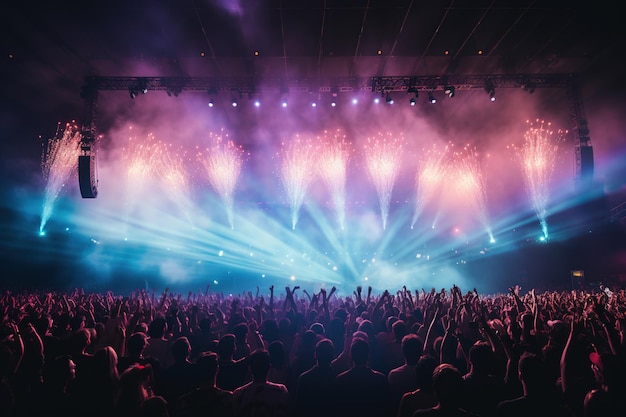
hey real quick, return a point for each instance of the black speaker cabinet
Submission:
(87, 176)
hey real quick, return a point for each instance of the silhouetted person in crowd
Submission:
(423, 397)
(103, 382)
(482, 388)
(156, 406)
(280, 372)
(361, 390)
(242, 348)
(51, 342)
(269, 330)
(207, 399)
(316, 390)
(181, 377)
(203, 338)
(78, 343)
(135, 388)
(135, 348)
(447, 384)
(610, 395)
(158, 346)
(233, 374)
(539, 398)
(391, 355)
(402, 379)
(304, 358)
(552, 351)
(261, 397)
(57, 400)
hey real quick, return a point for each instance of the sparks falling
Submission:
(140, 158)
(383, 158)
(59, 162)
(222, 163)
(297, 172)
(538, 156)
(470, 184)
(333, 166)
(174, 179)
(428, 180)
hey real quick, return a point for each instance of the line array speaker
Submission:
(87, 176)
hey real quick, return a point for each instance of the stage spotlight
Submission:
(449, 90)
(388, 99)
(376, 100)
(140, 86)
(413, 100)
(235, 96)
(137, 88)
(257, 103)
(284, 91)
(431, 98)
(313, 104)
(491, 90)
(355, 100)
(212, 92)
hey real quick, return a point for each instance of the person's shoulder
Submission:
(242, 388)
(438, 412)
(344, 374)
(396, 371)
(274, 386)
(309, 373)
(424, 412)
(598, 396)
(512, 403)
(377, 374)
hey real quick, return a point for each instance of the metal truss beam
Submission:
(252, 86)
(176, 85)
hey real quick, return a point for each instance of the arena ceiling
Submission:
(56, 44)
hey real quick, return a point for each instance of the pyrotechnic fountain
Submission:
(222, 163)
(469, 184)
(332, 165)
(297, 172)
(338, 243)
(140, 159)
(59, 163)
(383, 155)
(428, 180)
(538, 156)
(174, 179)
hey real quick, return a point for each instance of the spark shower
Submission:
(183, 210)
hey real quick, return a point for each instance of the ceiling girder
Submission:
(250, 85)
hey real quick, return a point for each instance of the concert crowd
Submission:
(290, 352)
